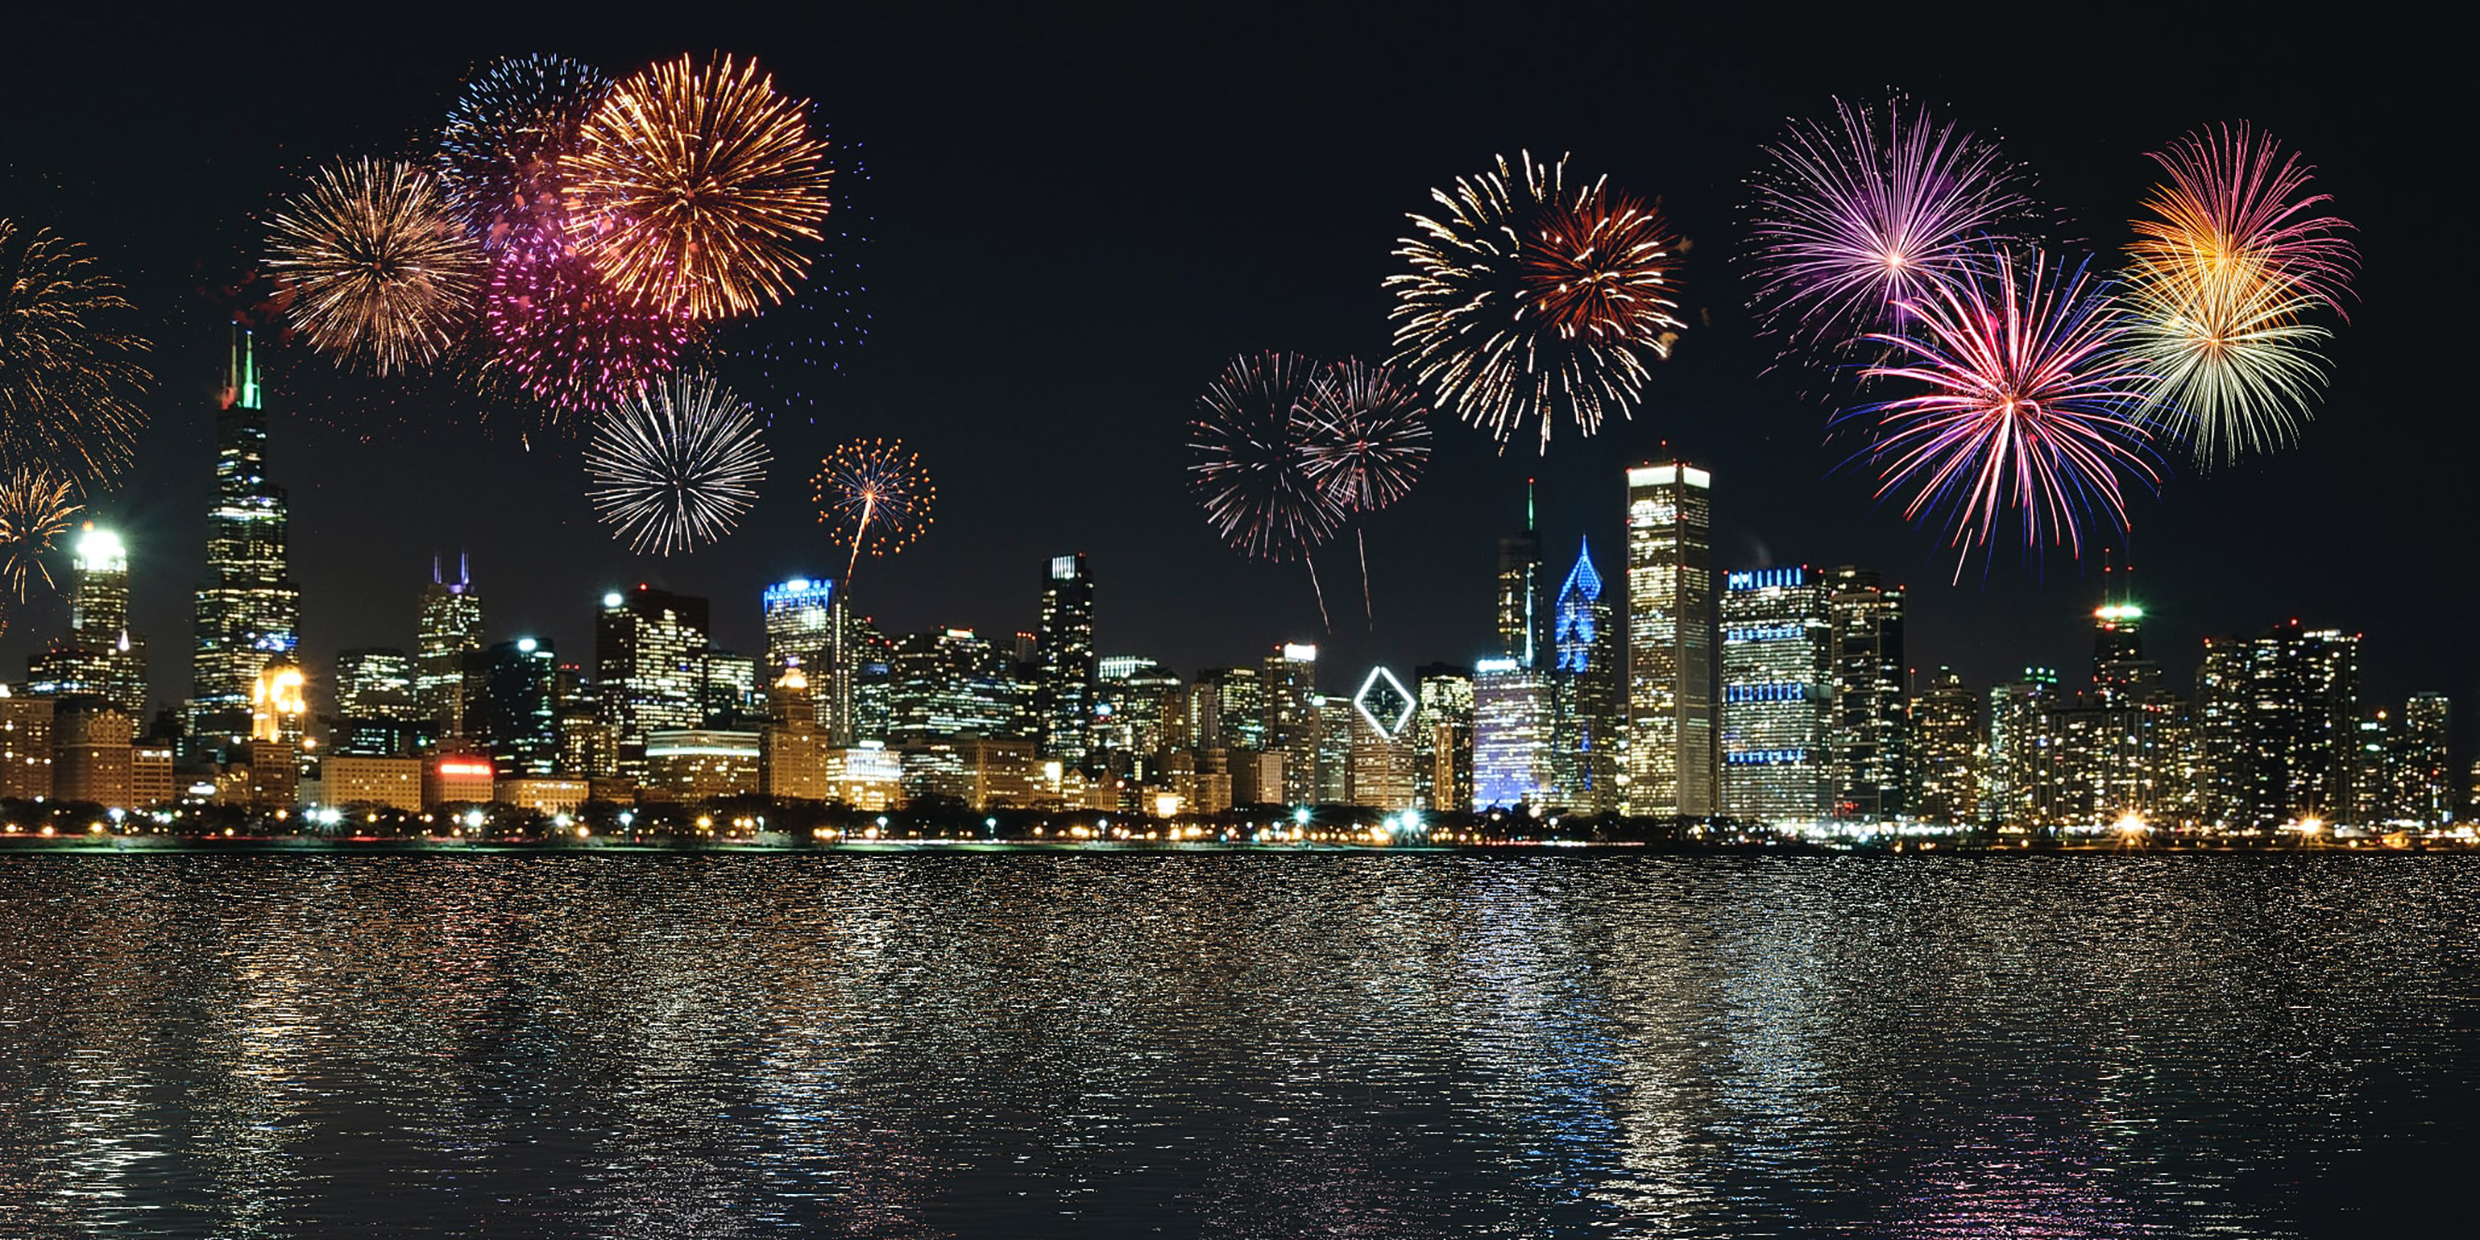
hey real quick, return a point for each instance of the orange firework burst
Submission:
(35, 509)
(875, 496)
(1527, 300)
(380, 266)
(69, 381)
(697, 185)
(2223, 278)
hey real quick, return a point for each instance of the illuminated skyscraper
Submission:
(99, 655)
(650, 664)
(2014, 770)
(1585, 686)
(1334, 751)
(450, 628)
(1670, 697)
(1442, 752)
(1868, 739)
(248, 611)
(1291, 727)
(512, 710)
(2424, 776)
(375, 682)
(1064, 691)
(1777, 696)
(1523, 622)
(1227, 709)
(1946, 721)
(948, 683)
(1140, 710)
(1513, 715)
(800, 626)
(1384, 715)
(2276, 716)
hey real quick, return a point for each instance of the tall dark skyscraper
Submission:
(450, 627)
(1670, 699)
(1590, 708)
(1523, 622)
(1064, 690)
(1870, 732)
(512, 706)
(249, 611)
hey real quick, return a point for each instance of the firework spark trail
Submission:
(1366, 442)
(502, 151)
(1854, 216)
(380, 267)
(876, 496)
(36, 508)
(697, 184)
(2222, 275)
(675, 465)
(2030, 403)
(69, 381)
(1525, 298)
(1251, 473)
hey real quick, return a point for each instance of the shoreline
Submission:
(157, 845)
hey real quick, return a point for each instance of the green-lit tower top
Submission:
(241, 374)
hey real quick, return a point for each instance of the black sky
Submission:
(1073, 220)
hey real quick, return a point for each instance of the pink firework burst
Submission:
(2027, 403)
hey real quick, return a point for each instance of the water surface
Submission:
(1236, 1044)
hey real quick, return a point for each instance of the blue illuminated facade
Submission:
(1588, 706)
(1777, 696)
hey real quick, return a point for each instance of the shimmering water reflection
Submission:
(1235, 1044)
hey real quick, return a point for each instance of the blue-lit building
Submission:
(1513, 718)
(1590, 710)
(1777, 696)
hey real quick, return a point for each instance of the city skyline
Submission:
(1093, 403)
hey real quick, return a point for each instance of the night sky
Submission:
(1067, 226)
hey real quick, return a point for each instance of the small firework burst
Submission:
(1367, 437)
(380, 268)
(876, 497)
(36, 508)
(676, 465)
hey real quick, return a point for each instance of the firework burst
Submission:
(1856, 215)
(699, 184)
(380, 267)
(1251, 437)
(675, 465)
(1367, 441)
(69, 382)
(502, 150)
(1526, 299)
(2221, 278)
(2027, 402)
(36, 507)
(564, 338)
(875, 496)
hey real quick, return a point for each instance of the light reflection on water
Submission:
(1234, 1044)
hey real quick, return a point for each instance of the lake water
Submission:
(1237, 1044)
